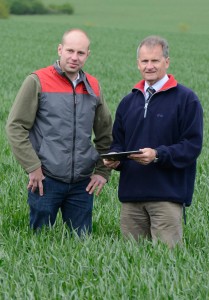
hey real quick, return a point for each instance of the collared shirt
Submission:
(157, 85)
(76, 80)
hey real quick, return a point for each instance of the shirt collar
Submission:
(76, 80)
(157, 85)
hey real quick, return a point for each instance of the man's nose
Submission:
(74, 56)
(149, 65)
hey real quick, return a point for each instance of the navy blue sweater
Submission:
(174, 126)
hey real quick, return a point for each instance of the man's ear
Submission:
(59, 49)
(167, 62)
(137, 63)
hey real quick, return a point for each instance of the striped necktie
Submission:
(150, 91)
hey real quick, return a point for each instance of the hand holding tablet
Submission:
(119, 155)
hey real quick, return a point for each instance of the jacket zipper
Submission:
(74, 129)
(146, 106)
(74, 134)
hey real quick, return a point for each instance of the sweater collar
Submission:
(170, 83)
(157, 85)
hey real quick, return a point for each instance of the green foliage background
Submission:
(4, 9)
(32, 7)
(104, 266)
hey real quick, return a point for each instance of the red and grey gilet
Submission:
(61, 135)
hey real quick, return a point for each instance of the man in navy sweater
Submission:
(163, 119)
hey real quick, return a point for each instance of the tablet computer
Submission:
(119, 155)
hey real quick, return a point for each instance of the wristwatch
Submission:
(156, 157)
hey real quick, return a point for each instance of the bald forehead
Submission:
(76, 35)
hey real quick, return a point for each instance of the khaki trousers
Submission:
(153, 220)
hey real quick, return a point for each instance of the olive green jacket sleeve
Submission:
(103, 135)
(20, 121)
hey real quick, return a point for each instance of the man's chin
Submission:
(72, 70)
(150, 80)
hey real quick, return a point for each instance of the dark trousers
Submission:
(72, 199)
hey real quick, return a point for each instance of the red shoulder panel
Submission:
(47, 77)
(94, 84)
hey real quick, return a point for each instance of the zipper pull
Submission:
(145, 109)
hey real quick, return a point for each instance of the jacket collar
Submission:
(171, 83)
(59, 70)
(82, 77)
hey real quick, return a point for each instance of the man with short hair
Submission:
(50, 128)
(163, 119)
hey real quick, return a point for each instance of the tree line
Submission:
(32, 7)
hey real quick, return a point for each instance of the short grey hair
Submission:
(152, 41)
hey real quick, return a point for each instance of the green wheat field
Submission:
(52, 265)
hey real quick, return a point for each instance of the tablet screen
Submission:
(119, 155)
